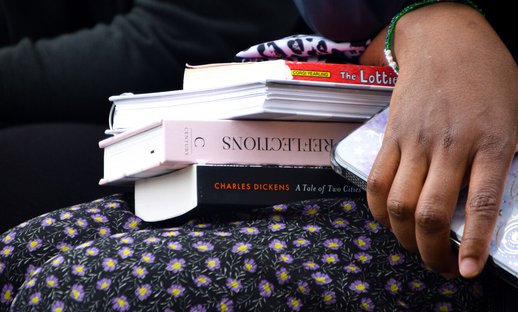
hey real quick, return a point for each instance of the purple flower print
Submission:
(393, 286)
(359, 286)
(249, 230)
(363, 257)
(448, 290)
(143, 292)
(109, 264)
(9, 237)
(103, 284)
(367, 304)
(310, 265)
(170, 234)
(265, 288)
(176, 290)
(202, 280)
(77, 292)
(329, 297)
(152, 240)
(312, 228)
(104, 232)
(64, 247)
(311, 210)
(2, 267)
(213, 264)
(148, 257)
(196, 234)
(396, 259)
(7, 294)
(222, 234)
(303, 287)
(283, 276)
(176, 265)
(48, 222)
(280, 208)
(348, 206)
(139, 272)
(443, 307)
(276, 227)
(34, 244)
(65, 215)
(321, 278)
(132, 224)
(372, 226)
(352, 268)
(198, 308)
(301, 242)
(70, 231)
(226, 305)
(127, 240)
(277, 245)
(339, 223)
(99, 218)
(120, 304)
(175, 245)
(203, 246)
(35, 299)
(241, 248)
(416, 285)
(112, 205)
(249, 265)
(333, 243)
(82, 223)
(234, 285)
(286, 258)
(79, 269)
(57, 306)
(294, 303)
(363, 242)
(125, 252)
(57, 261)
(330, 258)
(92, 251)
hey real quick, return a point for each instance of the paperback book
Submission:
(222, 74)
(354, 155)
(168, 145)
(266, 100)
(232, 186)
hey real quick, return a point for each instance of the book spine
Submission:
(252, 142)
(262, 186)
(343, 73)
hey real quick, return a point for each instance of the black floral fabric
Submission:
(319, 255)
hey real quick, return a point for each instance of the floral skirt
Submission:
(318, 255)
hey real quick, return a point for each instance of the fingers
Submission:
(435, 209)
(380, 180)
(486, 185)
(404, 195)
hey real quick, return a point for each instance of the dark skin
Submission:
(453, 122)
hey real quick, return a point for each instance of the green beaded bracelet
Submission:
(390, 32)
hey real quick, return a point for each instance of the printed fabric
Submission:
(304, 48)
(319, 255)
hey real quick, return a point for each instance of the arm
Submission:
(70, 77)
(453, 119)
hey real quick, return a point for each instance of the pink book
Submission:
(168, 145)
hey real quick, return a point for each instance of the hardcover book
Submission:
(168, 145)
(220, 186)
(268, 99)
(221, 74)
(354, 156)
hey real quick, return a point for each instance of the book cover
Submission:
(354, 156)
(270, 99)
(168, 145)
(221, 74)
(219, 186)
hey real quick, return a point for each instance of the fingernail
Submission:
(469, 267)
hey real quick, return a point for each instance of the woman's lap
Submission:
(307, 256)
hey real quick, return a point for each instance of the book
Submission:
(268, 99)
(354, 156)
(222, 74)
(232, 186)
(168, 145)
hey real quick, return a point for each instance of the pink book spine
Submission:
(252, 142)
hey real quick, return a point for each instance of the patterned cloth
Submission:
(320, 255)
(304, 48)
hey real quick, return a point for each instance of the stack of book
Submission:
(240, 135)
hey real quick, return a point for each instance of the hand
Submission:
(453, 121)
